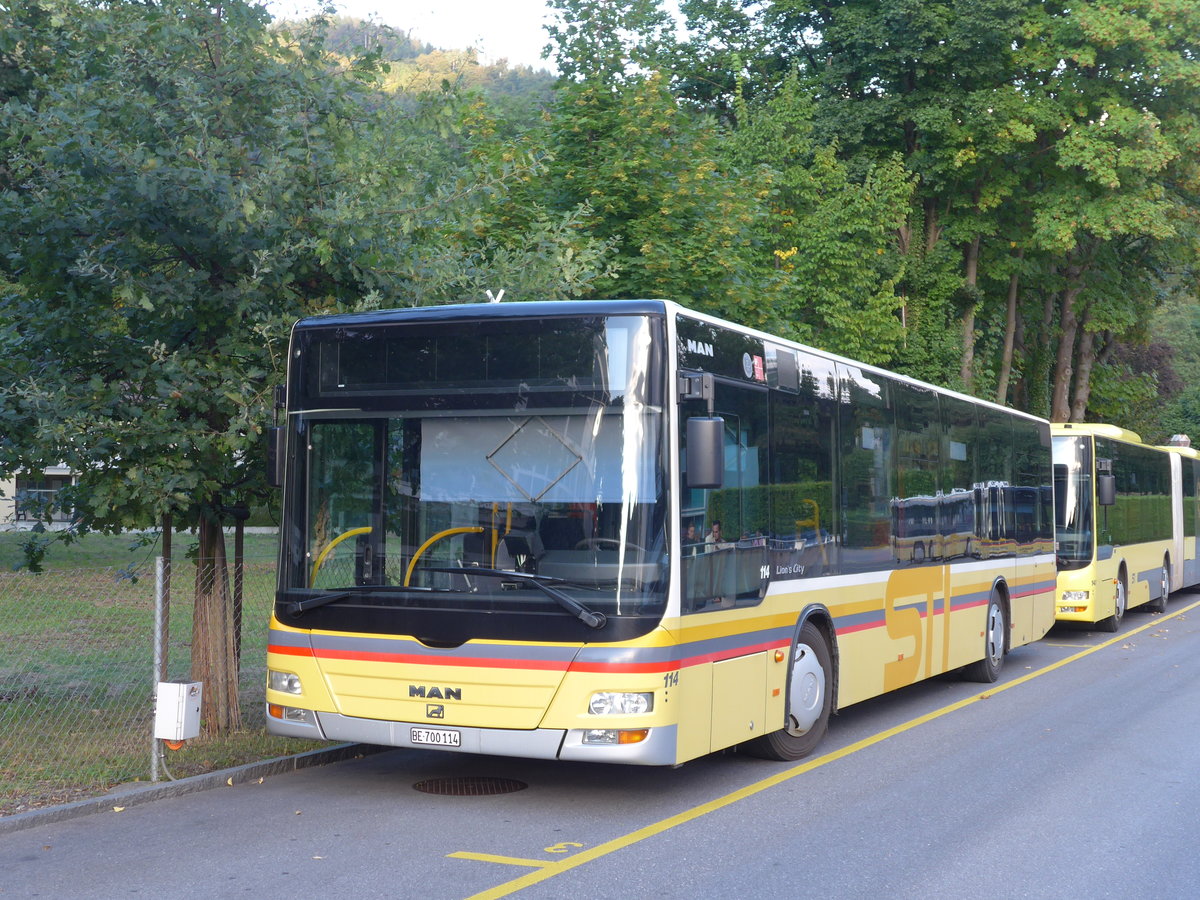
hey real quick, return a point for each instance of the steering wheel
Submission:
(597, 543)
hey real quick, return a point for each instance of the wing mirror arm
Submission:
(705, 435)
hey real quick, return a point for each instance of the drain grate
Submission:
(470, 786)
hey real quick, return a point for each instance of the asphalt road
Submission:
(1074, 776)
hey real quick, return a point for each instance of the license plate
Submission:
(435, 737)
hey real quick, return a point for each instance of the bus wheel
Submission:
(1164, 590)
(987, 669)
(809, 701)
(1113, 622)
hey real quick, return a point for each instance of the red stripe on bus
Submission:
(670, 665)
(416, 659)
(922, 611)
(1034, 593)
(667, 665)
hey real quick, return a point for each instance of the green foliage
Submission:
(608, 41)
(682, 225)
(178, 184)
(186, 183)
(831, 233)
(1131, 398)
(1061, 133)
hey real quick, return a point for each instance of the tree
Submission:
(832, 234)
(1121, 79)
(682, 223)
(1048, 139)
(182, 183)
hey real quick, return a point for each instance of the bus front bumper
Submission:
(658, 748)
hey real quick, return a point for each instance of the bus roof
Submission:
(552, 308)
(511, 309)
(1095, 429)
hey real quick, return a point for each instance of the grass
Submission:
(76, 668)
(121, 551)
(92, 762)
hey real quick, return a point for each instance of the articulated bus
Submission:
(621, 531)
(1126, 523)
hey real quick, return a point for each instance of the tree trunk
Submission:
(1060, 404)
(1010, 331)
(966, 371)
(1086, 360)
(933, 230)
(214, 655)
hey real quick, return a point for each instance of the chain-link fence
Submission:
(78, 675)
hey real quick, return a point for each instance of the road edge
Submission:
(138, 794)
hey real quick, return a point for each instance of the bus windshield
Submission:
(512, 469)
(1073, 498)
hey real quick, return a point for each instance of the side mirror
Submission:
(705, 452)
(1106, 490)
(277, 440)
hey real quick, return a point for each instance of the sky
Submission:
(499, 29)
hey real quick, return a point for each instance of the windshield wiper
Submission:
(589, 617)
(298, 606)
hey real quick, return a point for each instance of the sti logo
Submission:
(699, 347)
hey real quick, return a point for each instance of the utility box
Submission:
(177, 710)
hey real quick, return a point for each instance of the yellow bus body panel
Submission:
(719, 677)
(1142, 565)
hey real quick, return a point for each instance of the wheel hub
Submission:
(807, 690)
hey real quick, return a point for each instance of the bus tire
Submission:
(995, 635)
(1112, 624)
(1164, 590)
(809, 701)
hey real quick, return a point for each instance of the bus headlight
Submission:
(284, 681)
(614, 703)
(1073, 602)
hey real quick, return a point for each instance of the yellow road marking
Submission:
(550, 869)
(503, 860)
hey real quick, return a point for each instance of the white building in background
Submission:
(24, 493)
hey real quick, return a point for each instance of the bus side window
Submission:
(802, 527)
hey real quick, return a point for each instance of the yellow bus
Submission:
(622, 531)
(1126, 523)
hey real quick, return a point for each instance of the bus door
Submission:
(727, 567)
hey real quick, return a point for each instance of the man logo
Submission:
(435, 711)
(700, 347)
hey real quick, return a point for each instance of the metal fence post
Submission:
(160, 657)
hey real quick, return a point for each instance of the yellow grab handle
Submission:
(470, 529)
(329, 547)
